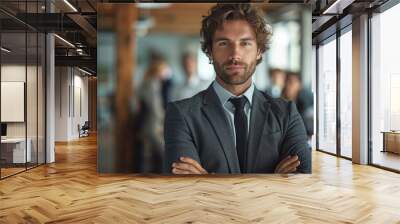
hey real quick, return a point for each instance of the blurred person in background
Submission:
(277, 78)
(192, 84)
(167, 86)
(152, 110)
(167, 83)
(294, 91)
(292, 86)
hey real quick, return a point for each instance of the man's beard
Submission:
(234, 79)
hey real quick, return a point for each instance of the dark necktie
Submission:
(241, 130)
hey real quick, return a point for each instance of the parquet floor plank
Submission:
(71, 191)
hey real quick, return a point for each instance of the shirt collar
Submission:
(224, 95)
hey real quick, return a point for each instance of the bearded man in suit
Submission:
(232, 127)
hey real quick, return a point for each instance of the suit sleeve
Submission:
(295, 140)
(178, 138)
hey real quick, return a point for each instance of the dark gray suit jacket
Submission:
(198, 128)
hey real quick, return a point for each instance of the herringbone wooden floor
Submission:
(70, 191)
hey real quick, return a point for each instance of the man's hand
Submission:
(288, 165)
(187, 166)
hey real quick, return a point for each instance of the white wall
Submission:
(71, 93)
(61, 103)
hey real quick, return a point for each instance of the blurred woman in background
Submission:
(152, 109)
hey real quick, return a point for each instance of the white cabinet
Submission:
(17, 147)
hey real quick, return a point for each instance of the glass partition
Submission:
(14, 153)
(327, 96)
(346, 94)
(22, 77)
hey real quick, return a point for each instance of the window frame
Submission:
(333, 37)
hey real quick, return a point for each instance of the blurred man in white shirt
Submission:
(192, 84)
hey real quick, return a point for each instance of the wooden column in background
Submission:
(125, 16)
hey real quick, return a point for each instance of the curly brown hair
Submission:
(220, 13)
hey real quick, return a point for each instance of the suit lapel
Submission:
(260, 112)
(215, 114)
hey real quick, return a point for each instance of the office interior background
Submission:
(162, 38)
(29, 58)
(52, 115)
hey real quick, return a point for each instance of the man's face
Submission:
(234, 52)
